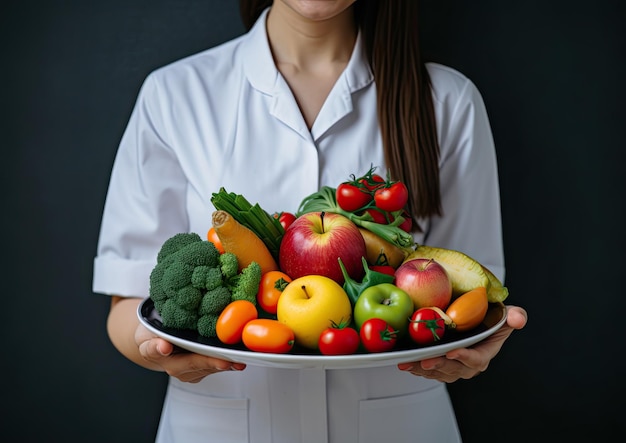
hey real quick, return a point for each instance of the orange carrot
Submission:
(243, 242)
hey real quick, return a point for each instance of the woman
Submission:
(314, 92)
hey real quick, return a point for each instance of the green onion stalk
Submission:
(255, 218)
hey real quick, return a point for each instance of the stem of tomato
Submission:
(432, 325)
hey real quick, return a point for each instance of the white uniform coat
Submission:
(226, 118)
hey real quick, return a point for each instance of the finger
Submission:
(431, 364)
(470, 358)
(449, 369)
(446, 371)
(192, 368)
(164, 348)
(424, 367)
(516, 317)
(426, 364)
(155, 349)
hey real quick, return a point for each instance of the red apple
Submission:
(426, 281)
(314, 242)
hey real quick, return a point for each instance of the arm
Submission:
(122, 325)
(145, 205)
(140, 346)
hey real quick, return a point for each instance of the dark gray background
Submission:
(552, 76)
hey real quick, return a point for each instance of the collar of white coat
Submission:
(263, 75)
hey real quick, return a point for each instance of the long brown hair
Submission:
(405, 106)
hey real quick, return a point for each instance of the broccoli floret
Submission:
(206, 278)
(176, 276)
(175, 316)
(188, 297)
(176, 243)
(212, 305)
(207, 325)
(229, 264)
(199, 253)
(245, 285)
(214, 301)
(213, 279)
(157, 293)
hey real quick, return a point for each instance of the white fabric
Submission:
(226, 117)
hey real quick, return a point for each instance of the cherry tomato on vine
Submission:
(270, 289)
(372, 182)
(268, 335)
(339, 340)
(351, 197)
(233, 319)
(407, 224)
(377, 335)
(426, 326)
(392, 198)
(378, 216)
(285, 218)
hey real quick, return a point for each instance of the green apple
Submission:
(385, 301)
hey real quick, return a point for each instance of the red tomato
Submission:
(384, 269)
(392, 198)
(233, 319)
(377, 335)
(351, 197)
(268, 335)
(270, 289)
(407, 224)
(426, 326)
(372, 182)
(378, 216)
(285, 218)
(385, 217)
(339, 340)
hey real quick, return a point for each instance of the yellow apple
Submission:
(310, 304)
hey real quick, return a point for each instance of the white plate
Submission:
(302, 358)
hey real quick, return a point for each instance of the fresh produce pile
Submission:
(341, 275)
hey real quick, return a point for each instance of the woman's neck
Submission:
(310, 44)
(310, 53)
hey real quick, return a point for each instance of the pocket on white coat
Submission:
(188, 418)
(423, 417)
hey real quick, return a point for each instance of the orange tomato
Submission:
(233, 319)
(469, 309)
(268, 335)
(211, 236)
(270, 290)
